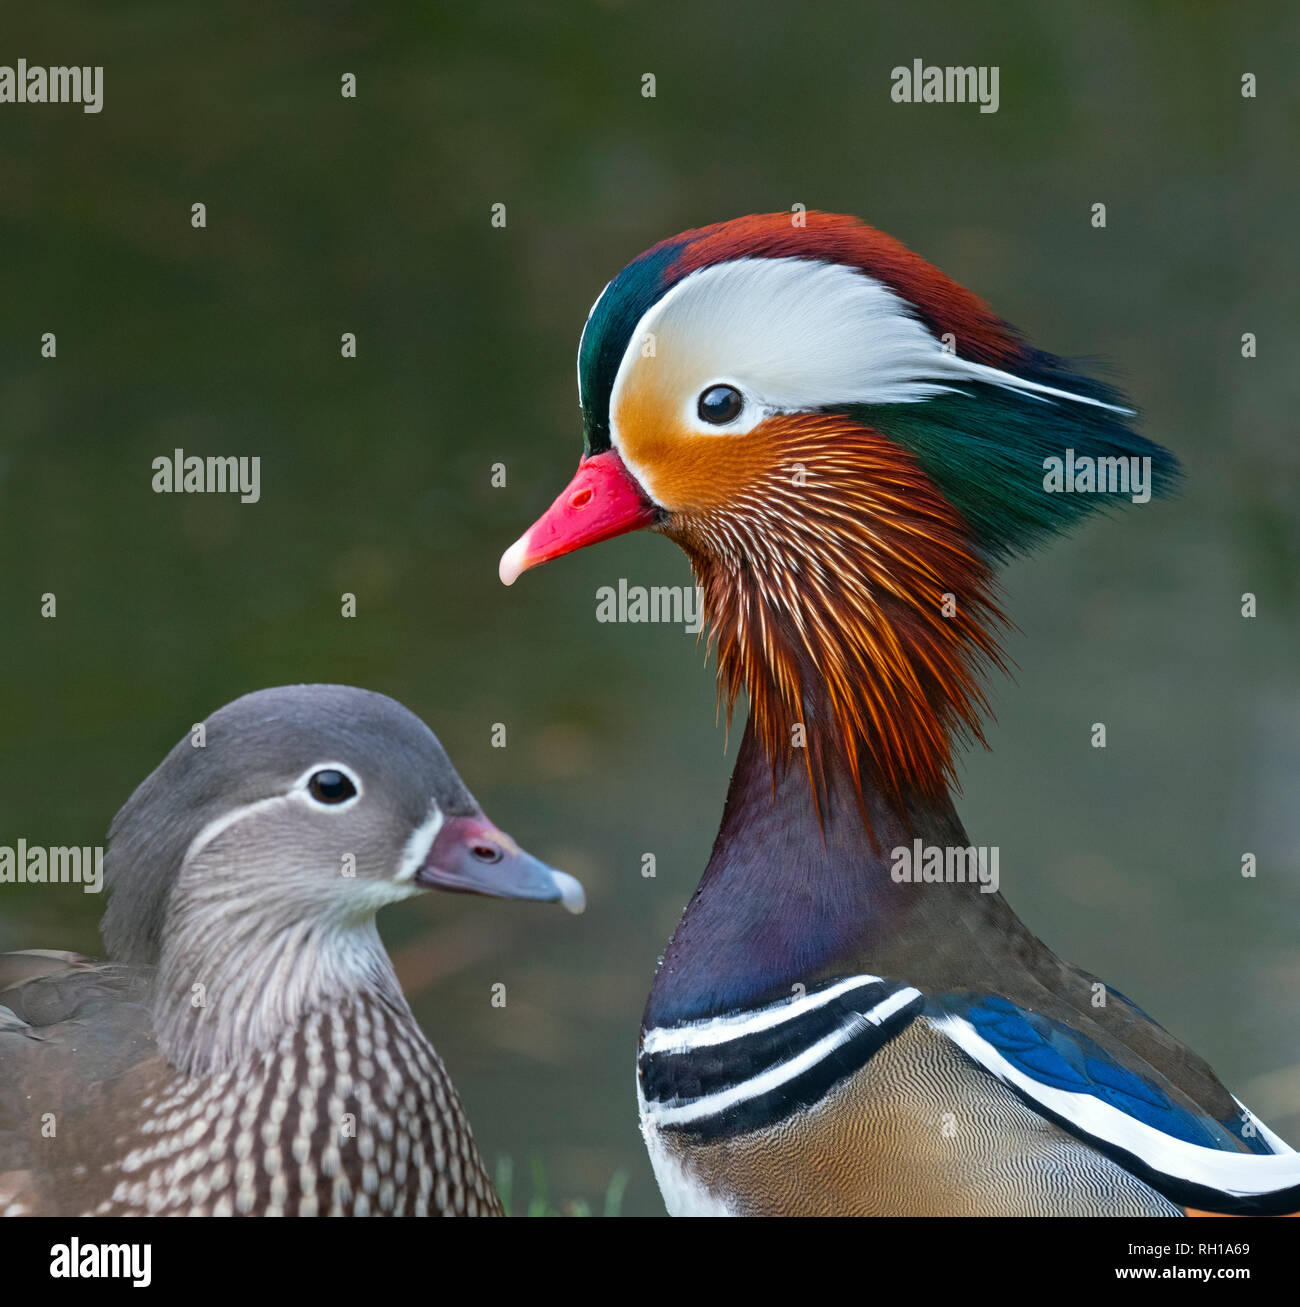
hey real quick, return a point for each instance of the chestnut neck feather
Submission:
(846, 600)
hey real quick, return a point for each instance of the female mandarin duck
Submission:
(845, 442)
(248, 1050)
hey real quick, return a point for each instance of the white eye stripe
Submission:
(296, 792)
(228, 819)
(798, 334)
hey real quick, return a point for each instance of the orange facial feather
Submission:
(843, 595)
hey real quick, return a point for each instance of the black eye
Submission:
(721, 404)
(330, 787)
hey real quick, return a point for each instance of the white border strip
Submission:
(783, 1072)
(1239, 1174)
(720, 1030)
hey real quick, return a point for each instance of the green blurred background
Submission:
(371, 215)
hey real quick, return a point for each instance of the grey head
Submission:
(261, 848)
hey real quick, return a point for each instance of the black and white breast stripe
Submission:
(731, 1074)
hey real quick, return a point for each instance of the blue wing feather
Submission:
(1056, 1055)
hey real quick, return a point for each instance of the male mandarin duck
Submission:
(248, 1050)
(845, 442)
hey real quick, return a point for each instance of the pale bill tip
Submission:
(572, 896)
(512, 561)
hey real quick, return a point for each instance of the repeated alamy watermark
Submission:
(679, 605)
(945, 864)
(25, 83)
(1081, 474)
(39, 864)
(923, 83)
(192, 474)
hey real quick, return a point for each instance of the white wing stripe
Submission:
(1240, 1174)
(1274, 1141)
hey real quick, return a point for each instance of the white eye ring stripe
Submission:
(731, 425)
(299, 787)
